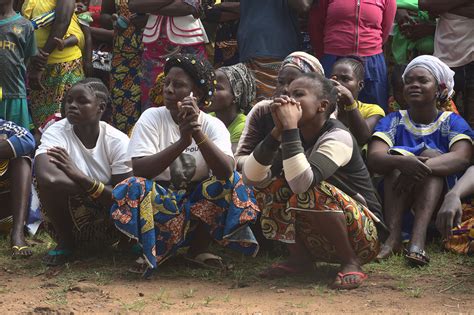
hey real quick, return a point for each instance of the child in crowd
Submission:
(359, 117)
(17, 45)
(235, 92)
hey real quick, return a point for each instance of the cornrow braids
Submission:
(98, 88)
(356, 64)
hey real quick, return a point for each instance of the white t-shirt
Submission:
(454, 40)
(156, 130)
(109, 157)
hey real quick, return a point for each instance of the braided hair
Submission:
(356, 64)
(98, 88)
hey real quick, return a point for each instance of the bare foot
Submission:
(388, 249)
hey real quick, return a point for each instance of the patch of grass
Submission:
(135, 306)
(189, 294)
(208, 300)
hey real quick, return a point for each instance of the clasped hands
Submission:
(286, 113)
(188, 114)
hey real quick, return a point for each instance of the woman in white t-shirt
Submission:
(185, 191)
(79, 160)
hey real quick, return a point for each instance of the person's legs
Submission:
(394, 206)
(468, 93)
(20, 191)
(55, 202)
(426, 201)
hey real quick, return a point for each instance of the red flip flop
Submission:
(339, 283)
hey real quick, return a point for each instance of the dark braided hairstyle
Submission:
(327, 90)
(98, 88)
(200, 70)
(356, 64)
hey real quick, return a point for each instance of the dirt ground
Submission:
(103, 284)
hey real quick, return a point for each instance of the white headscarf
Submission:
(442, 73)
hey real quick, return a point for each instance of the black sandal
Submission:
(417, 256)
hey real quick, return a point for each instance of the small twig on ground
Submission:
(451, 286)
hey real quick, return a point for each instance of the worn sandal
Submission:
(417, 256)
(340, 284)
(21, 252)
(204, 259)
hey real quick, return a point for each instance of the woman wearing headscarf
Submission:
(53, 71)
(313, 187)
(186, 192)
(235, 93)
(419, 150)
(259, 120)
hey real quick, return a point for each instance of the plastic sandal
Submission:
(339, 283)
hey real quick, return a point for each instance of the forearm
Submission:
(221, 164)
(465, 186)
(256, 167)
(465, 10)
(300, 6)
(6, 151)
(88, 44)
(64, 12)
(151, 166)
(447, 164)
(147, 6)
(383, 163)
(232, 7)
(177, 8)
(358, 127)
(102, 35)
(440, 6)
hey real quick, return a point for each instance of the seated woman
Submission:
(78, 162)
(185, 192)
(455, 220)
(259, 121)
(418, 150)
(235, 92)
(315, 192)
(16, 145)
(359, 117)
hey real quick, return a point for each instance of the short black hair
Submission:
(356, 64)
(326, 90)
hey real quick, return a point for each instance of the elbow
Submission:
(225, 173)
(46, 182)
(464, 164)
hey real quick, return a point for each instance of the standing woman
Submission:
(342, 28)
(78, 162)
(186, 192)
(173, 27)
(53, 71)
(125, 74)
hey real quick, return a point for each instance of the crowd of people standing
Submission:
(340, 128)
